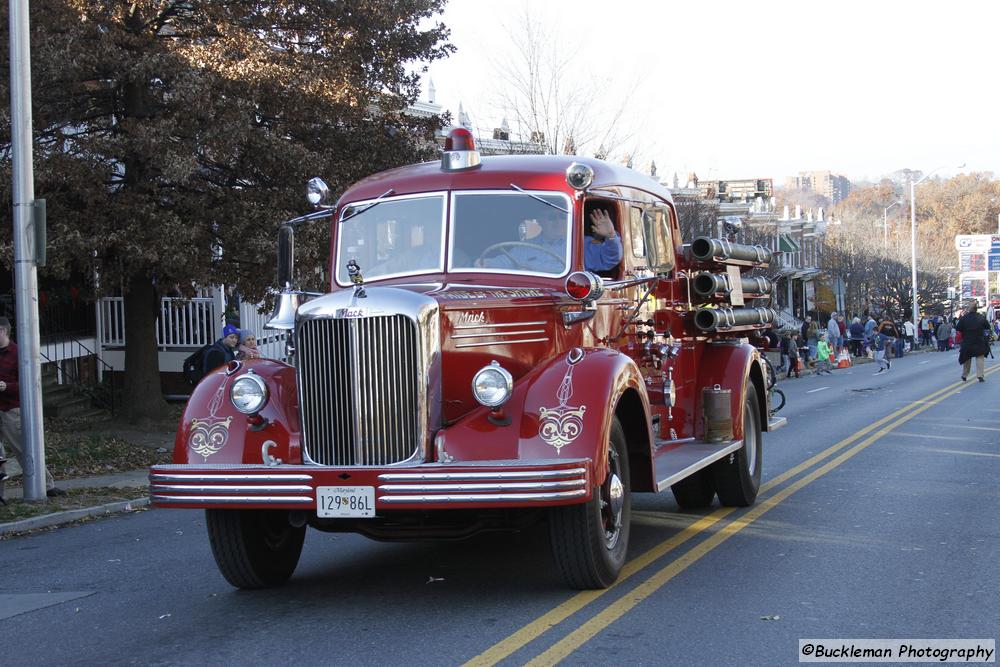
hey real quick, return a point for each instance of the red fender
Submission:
(560, 410)
(213, 431)
(736, 367)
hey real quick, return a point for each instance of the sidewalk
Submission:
(134, 478)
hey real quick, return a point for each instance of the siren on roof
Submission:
(459, 151)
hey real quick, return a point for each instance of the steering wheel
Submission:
(504, 245)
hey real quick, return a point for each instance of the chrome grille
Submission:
(358, 390)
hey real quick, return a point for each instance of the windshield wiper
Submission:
(376, 202)
(537, 198)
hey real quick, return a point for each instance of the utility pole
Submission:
(25, 272)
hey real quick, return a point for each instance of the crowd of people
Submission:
(881, 339)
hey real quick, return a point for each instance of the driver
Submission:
(545, 253)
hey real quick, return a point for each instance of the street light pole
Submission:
(913, 238)
(885, 224)
(25, 273)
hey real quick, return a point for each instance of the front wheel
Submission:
(590, 540)
(254, 548)
(737, 476)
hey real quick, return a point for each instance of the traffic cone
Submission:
(844, 360)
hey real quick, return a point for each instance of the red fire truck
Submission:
(489, 355)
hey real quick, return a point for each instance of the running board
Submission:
(675, 463)
(774, 423)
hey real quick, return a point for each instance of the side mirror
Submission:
(286, 256)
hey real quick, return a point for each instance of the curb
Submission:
(69, 516)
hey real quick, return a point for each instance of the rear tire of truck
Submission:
(737, 476)
(695, 492)
(254, 548)
(590, 540)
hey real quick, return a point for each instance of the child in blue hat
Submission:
(223, 350)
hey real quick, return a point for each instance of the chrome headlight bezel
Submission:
(258, 388)
(503, 382)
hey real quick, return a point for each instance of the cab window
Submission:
(659, 245)
(636, 233)
(603, 257)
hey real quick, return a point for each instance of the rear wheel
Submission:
(737, 477)
(590, 540)
(777, 400)
(254, 548)
(696, 491)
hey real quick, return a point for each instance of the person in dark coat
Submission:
(857, 336)
(974, 329)
(223, 350)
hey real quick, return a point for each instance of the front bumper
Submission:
(427, 486)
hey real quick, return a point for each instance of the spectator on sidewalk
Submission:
(910, 330)
(10, 404)
(793, 355)
(807, 338)
(223, 350)
(833, 333)
(888, 329)
(870, 327)
(783, 354)
(248, 345)
(926, 331)
(823, 355)
(975, 332)
(943, 335)
(882, 343)
(842, 340)
(857, 337)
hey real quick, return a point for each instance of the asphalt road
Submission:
(878, 519)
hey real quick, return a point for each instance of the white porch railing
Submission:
(183, 326)
(182, 322)
(788, 321)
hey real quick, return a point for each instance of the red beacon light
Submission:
(459, 151)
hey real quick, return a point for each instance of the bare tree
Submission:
(549, 96)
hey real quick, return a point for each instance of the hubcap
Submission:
(612, 502)
(750, 440)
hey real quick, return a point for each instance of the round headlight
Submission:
(492, 385)
(248, 393)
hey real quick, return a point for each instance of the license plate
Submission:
(336, 502)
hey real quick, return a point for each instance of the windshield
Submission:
(510, 231)
(492, 232)
(392, 237)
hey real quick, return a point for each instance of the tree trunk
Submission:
(142, 396)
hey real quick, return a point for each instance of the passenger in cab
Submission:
(602, 250)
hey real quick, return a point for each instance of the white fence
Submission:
(182, 322)
(183, 326)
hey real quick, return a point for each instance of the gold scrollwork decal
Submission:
(208, 436)
(561, 425)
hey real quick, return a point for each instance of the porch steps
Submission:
(64, 400)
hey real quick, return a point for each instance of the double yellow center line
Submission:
(617, 609)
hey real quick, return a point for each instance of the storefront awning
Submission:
(787, 244)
